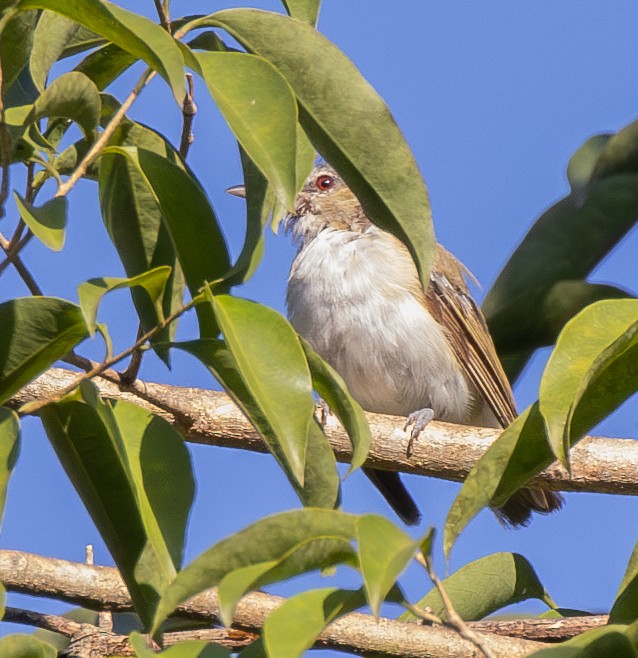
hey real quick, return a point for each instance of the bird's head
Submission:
(324, 202)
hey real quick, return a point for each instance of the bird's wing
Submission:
(450, 303)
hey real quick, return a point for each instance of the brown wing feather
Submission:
(450, 303)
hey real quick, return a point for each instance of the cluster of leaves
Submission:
(131, 467)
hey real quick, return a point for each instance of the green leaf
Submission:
(52, 34)
(321, 479)
(303, 10)
(518, 453)
(48, 222)
(133, 473)
(132, 32)
(9, 449)
(384, 552)
(90, 293)
(300, 541)
(625, 608)
(261, 110)
(134, 221)
(596, 643)
(186, 213)
(346, 120)
(603, 335)
(484, 586)
(72, 96)
(565, 244)
(25, 646)
(105, 65)
(331, 387)
(293, 627)
(259, 204)
(582, 163)
(16, 41)
(272, 365)
(236, 583)
(36, 332)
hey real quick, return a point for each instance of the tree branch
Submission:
(445, 451)
(102, 588)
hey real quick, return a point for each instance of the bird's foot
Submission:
(324, 411)
(419, 419)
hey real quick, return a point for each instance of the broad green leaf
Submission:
(619, 154)
(133, 473)
(9, 449)
(184, 649)
(16, 40)
(105, 64)
(25, 646)
(132, 32)
(134, 221)
(306, 157)
(603, 642)
(236, 583)
(72, 96)
(563, 301)
(321, 478)
(604, 334)
(484, 586)
(48, 222)
(346, 120)
(565, 244)
(307, 539)
(52, 34)
(384, 552)
(261, 110)
(259, 204)
(625, 608)
(90, 292)
(82, 40)
(518, 453)
(272, 365)
(303, 10)
(293, 627)
(331, 387)
(36, 332)
(582, 164)
(186, 213)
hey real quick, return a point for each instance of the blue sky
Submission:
(493, 97)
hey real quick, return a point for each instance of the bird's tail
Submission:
(394, 491)
(517, 510)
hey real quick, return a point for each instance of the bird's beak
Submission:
(237, 190)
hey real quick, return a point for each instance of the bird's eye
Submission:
(324, 182)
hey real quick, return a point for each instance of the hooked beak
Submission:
(237, 190)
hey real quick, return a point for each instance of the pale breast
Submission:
(349, 296)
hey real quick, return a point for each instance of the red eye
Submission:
(324, 182)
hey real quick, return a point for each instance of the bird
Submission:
(355, 295)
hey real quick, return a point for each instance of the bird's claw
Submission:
(419, 419)
(324, 412)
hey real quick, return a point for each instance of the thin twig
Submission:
(453, 618)
(98, 369)
(55, 623)
(12, 252)
(189, 109)
(12, 256)
(128, 376)
(163, 14)
(100, 143)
